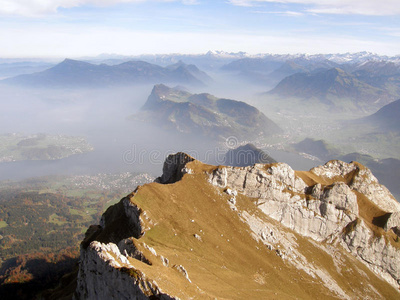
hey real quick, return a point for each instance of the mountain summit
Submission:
(257, 232)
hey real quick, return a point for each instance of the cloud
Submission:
(42, 7)
(356, 7)
(74, 41)
(283, 13)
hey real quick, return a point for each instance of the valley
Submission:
(109, 124)
(193, 149)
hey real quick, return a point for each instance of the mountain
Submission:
(307, 59)
(11, 69)
(190, 70)
(271, 69)
(386, 170)
(381, 74)
(74, 73)
(286, 69)
(335, 87)
(210, 61)
(259, 232)
(205, 114)
(247, 155)
(262, 64)
(317, 148)
(387, 118)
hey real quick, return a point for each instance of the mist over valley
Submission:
(85, 133)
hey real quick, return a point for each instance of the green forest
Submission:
(43, 221)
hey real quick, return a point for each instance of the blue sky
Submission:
(73, 28)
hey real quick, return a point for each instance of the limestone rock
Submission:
(393, 223)
(322, 211)
(104, 273)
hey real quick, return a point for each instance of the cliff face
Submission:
(264, 231)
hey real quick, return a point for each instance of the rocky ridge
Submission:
(325, 212)
(203, 231)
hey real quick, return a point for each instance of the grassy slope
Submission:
(227, 263)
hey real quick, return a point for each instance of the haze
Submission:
(78, 28)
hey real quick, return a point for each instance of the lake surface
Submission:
(122, 158)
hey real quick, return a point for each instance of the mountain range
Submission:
(205, 114)
(334, 87)
(74, 73)
(241, 61)
(273, 68)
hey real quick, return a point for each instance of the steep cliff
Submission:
(259, 232)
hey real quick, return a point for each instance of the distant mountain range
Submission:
(307, 59)
(334, 87)
(241, 61)
(358, 78)
(210, 61)
(270, 69)
(205, 114)
(74, 73)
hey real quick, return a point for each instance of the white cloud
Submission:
(75, 41)
(283, 13)
(360, 7)
(42, 7)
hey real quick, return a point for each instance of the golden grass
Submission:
(227, 263)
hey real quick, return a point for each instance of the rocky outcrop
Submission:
(362, 181)
(324, 210)
(382, 257)
(282, 195)
(174, 167)
(104, 273)
(202, 231)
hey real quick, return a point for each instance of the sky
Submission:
(76, 28)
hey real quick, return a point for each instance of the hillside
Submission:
(247, 155)
(204, 114)
(387, 118)
(74, 73)
(382, 74)
(259, 232)
(335, 87)
(318, 148)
